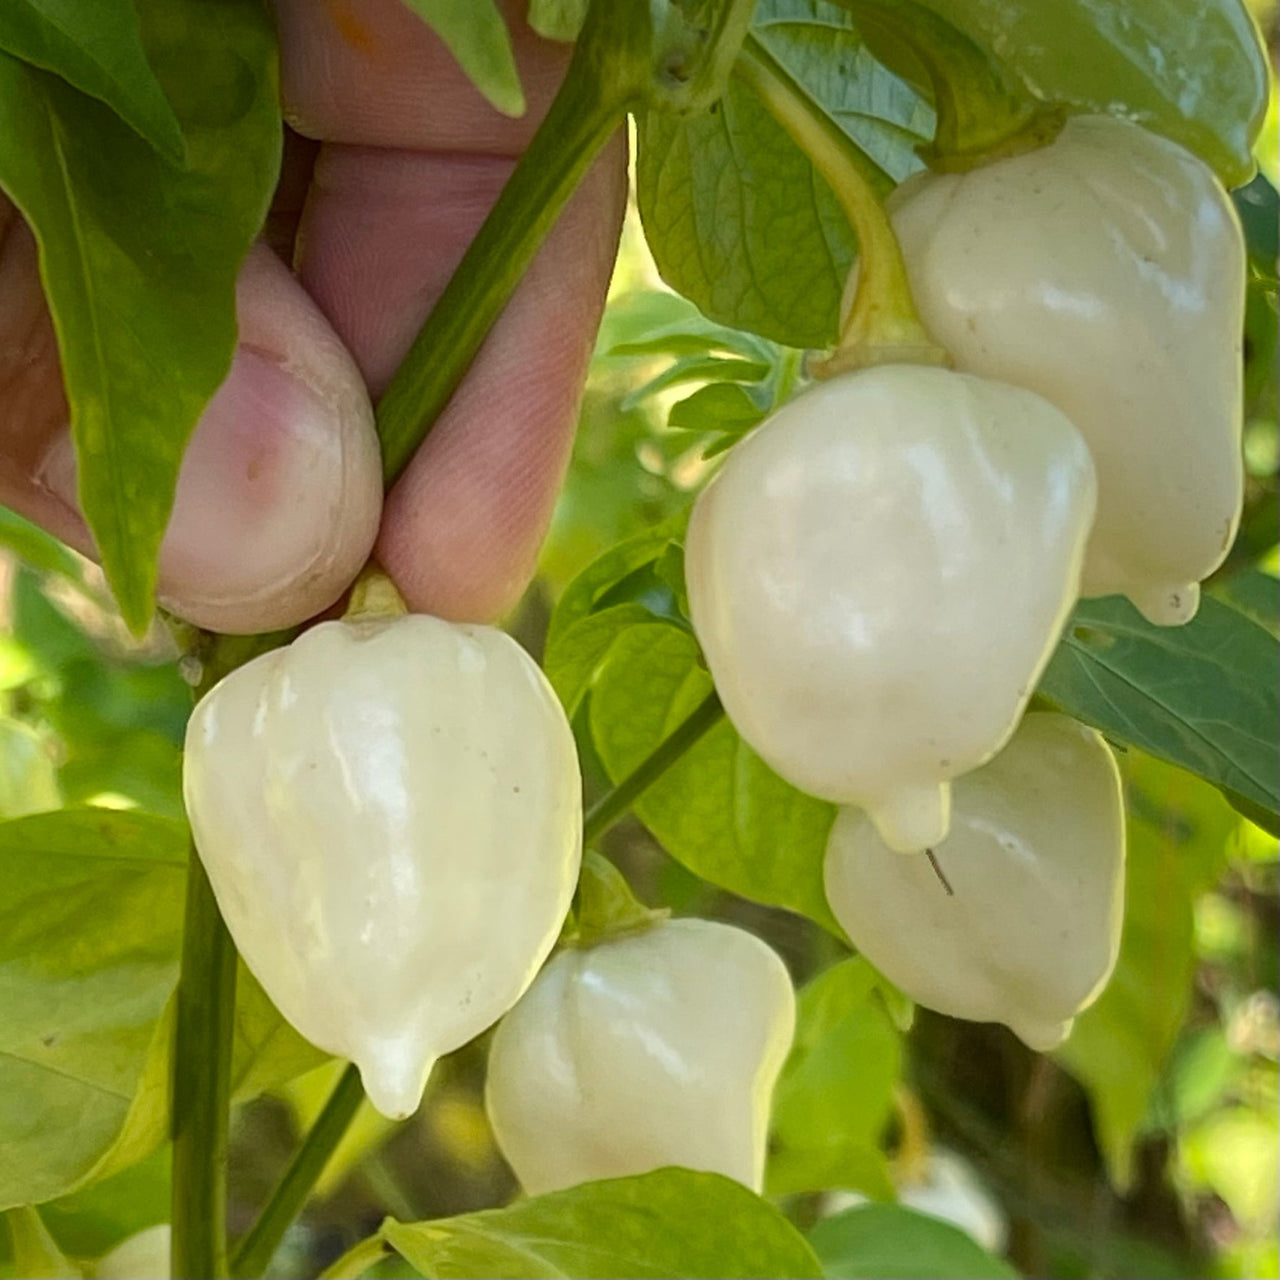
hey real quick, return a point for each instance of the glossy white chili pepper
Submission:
(389, 813)
(1105, 271)
(650, 1049)
(879, 574)
(1035, 859)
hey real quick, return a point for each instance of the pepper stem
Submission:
(882, 326)
(374, 597)
(258, 1247)
(605, 905)
(202, 1084)
(613, 804)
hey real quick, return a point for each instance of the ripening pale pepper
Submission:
(1105, 271)
(1029, 933)
(879, 574)
(649, 1049)
(389, 813)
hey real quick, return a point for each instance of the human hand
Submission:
(279, 502)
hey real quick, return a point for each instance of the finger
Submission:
(386, 223)
(372, 73)
(241, 552)
(462, 527)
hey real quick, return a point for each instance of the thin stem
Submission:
(882, 324)
(613, 804)
(258, 1247)
(937, 871)
(582, 118)
(202, 1085)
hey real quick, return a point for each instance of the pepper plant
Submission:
(925, 344)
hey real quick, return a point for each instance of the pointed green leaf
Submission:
(673, 1222)
(886, 1242)
(98, 49)
(1202, 82)
(139, 258)
(477, 36)
(1201, 696)
(835, 1095)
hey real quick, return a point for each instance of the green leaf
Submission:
(1202, 696)
(1178, 831)
(557, 19)
(698, 368)
(39, 549)
(35, 1254)
(583, 649)
(90, 918)
(139, 258)
(735, 214)
(619, 590)
(886, 1242)
(835, 1095)
(658, 322)
(478, 38)
(722, 406)
(268, 1051)
(28, 778)
(120, 722)
(1202, 83)
(670, 1223)
(98, 49)
(586, 593)
(91, 905)
(719, 810)
(89, 1222)
(1255, 594)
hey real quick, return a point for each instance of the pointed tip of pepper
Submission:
(1167, 606)
(913, 818)
(394, 1077)
(1042, 1035)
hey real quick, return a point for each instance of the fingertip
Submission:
(463, 527)
(280, 492)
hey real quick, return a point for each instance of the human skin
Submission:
(275, 510)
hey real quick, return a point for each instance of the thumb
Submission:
(279, 494)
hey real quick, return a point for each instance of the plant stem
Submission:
(202, 1085)
(613, 804)
(982, 115)
(581, 119)
(882, 325)
(258, 1247)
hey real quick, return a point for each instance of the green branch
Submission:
(613, 804)
(882, 325)
(582, 118)
(203, 1040)
(258, 1247)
